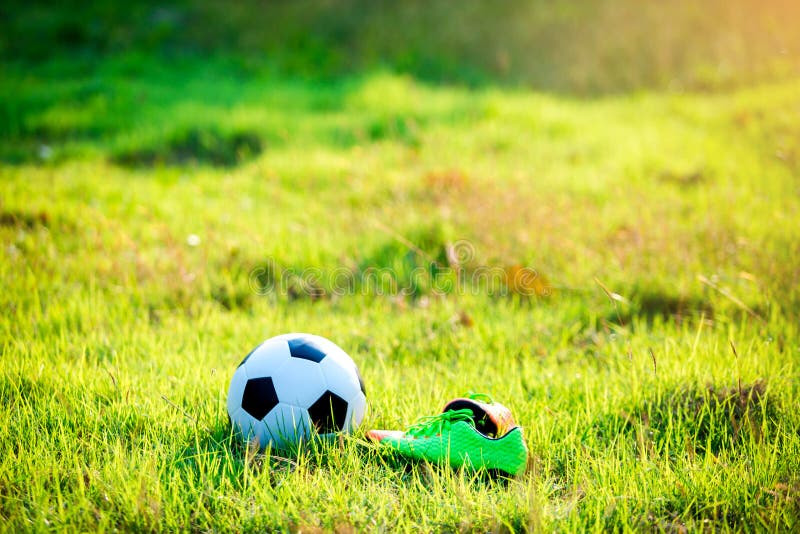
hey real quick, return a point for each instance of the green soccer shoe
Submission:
(451, 438)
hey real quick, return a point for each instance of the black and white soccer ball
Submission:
(292, 387)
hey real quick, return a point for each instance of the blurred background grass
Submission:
(420, 109)
(581, 46)
(154, 156)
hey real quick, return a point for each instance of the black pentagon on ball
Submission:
(328, 413)
(259, 397)
(306, 348)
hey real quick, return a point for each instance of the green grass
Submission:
(119, 337)
(583, 47)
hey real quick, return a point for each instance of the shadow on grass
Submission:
(653, 305)
(219, 456)
(693, 419)
(24, 220)
(412, 471)
(196, 146)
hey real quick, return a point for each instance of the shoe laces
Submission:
(435, 424)
(483, 397)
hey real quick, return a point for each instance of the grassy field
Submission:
(159, 219)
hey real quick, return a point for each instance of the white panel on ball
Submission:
(250, 428)
(266, 358)
(299, 382)
(356, 409)
(340, 375)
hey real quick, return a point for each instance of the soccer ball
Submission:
(292, 387)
